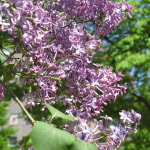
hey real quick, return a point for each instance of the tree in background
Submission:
(127, 48)
(5, 132)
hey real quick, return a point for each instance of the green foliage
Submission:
(56, 113)
(5, 132)
(46, 136)
(7, 74)
(3, 119)
(26, 141)
(133, 59)
(127, 49)
(4, 135)
(135, 142)
(81, 145)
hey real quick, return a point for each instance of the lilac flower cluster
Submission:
(103, 133)
(104, 13)
(56, 59)
(56, 51)
(94, 88)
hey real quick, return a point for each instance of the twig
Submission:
(19, 103)
(8, 57)
(96, 139)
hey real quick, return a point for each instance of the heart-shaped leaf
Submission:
(56, 113)
(46, 137)
(81, 145)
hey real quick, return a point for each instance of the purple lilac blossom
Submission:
(103, 133)
(56, 57)
(56, 44)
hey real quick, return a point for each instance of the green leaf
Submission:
(56, 113)
(81, 145)
(46, 137)
(9, 66)
(7, 73)
(26, 141)
(8, 46)
(53, 78)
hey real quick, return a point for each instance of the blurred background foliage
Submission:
(5, 131)
(127, 49)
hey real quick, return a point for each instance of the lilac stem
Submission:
(19, 103)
